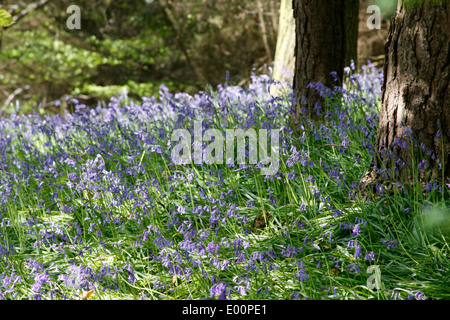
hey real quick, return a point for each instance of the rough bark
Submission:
(320, 48)
(414, 123)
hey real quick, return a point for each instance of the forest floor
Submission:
(92, 206)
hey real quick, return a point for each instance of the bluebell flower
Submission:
(301, 274)
(354, 268)
(357, 253)
(289, 252)
(417, 295)
(394, 294)
(303, 207)
(260, 289)
(356, 230)
(334, 76)
(370, 256)
(390, 243)
(407, 132)
(219, 290)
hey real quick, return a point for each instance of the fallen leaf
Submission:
(175, 280)
(334, 271)
(87, 294)
(261, 219)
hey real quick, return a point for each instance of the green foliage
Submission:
(387, 7)
(5, 18)
(132, 88)
(420, 2)
(51, 59)
(435, 220)
(134, 44)
(100, 68)
(99, 192)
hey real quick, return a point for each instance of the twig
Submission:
(31, 7)
(374, 58)
(13, 95)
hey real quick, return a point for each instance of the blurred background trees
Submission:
(135, 45)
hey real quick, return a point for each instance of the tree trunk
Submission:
(351, 31)
(321, 48)
(283, 70)
(414, 123)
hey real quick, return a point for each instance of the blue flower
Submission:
(417, 295)
(289, 252)
(370, 256)
(301, 274)
(422, 165)
(219, 290)
(356, 230)
(408, 131)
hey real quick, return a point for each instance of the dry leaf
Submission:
(87, 294)
(261, 219)
(334, 271)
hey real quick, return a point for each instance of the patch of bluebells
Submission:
(107, 174)
(8, 280)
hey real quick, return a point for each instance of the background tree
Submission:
(132, 45)
(370, 41)
(325, 40)
(283, 69)
(414, 125)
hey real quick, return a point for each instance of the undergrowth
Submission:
(93, 207)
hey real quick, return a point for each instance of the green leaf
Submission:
(5, 18)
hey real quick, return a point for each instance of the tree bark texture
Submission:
(320, 47)
(414, 124)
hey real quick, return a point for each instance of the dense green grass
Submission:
(93, 207)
